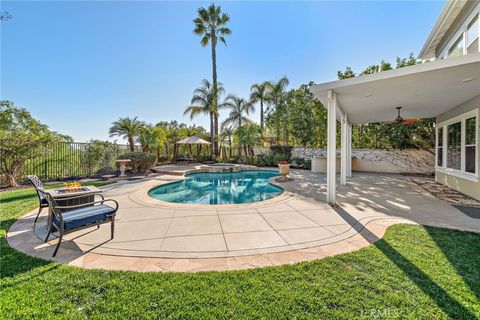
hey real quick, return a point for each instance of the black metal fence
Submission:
(62, 160)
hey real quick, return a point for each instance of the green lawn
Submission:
(413, 273)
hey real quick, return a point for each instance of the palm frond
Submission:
(195, 111)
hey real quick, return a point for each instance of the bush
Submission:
(307, 165)
(206, 158)
(140, 161)
(301, 163)
(298, 162)
(284, 152)
(267, 160)
(164, 160)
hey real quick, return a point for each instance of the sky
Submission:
(77, 66)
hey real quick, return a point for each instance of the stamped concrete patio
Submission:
(296, 226)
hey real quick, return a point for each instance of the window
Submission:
(470, 144)
(454, 142)
(472, 36)
(457, 146)
(466, 39)
(457, 48)
(440, 147)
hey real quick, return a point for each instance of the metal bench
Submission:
(78, 217)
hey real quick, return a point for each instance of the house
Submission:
(456, 33)
(446, 86)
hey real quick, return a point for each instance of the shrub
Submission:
(298, 162)
(302, 163)
(307, 165)
(267, 160)
(140, 161)
(164, 159)
(206, 158)
(285, 152)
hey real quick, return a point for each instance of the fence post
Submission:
(45, 162)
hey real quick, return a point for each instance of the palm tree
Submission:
(258, 93)
(146, 137)
(238, 107)
(127, 128)
(275, 97)
(276, 91)
(203, 103)
(211, 26)
(226, 137)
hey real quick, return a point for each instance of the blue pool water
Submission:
(219, 188)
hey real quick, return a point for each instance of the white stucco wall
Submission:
(375, 160)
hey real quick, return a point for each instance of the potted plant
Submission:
(284, 168)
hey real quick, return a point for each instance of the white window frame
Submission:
(477, 16)
(437, 146)
(475, 144)
(452, 46)
(454, 172)
(461, 31)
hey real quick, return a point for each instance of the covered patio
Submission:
(422, 91)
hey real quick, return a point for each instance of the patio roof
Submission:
(423, 91)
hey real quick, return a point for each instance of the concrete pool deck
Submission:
(296, 226)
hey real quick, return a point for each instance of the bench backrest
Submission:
(35, 181)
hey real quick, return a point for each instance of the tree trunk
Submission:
(166, 149)
(212, 134)
(230, 146)
(215, 90)
(239, 143)
(11, 181)
(130, 143)
(262, 123)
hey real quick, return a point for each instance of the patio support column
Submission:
(349, 150)
(331, 146)
(344, 150)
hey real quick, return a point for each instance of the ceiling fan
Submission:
(400, 119)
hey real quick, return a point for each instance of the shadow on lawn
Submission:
(13, 262)
(19, 197)
(458, 253)
(443, 300)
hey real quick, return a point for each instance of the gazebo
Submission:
(193, 140)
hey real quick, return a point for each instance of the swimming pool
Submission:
(219, 188)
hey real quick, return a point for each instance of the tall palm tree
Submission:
(258, 93)
(203, 103)
(211, 25)
(239, 109)
(127, 128)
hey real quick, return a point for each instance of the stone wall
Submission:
(376, 160)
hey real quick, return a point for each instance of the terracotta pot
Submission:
(284, 169)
